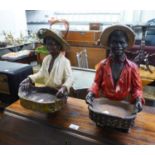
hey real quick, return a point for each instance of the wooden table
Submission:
(74, 112)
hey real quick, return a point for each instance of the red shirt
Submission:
(128, 85)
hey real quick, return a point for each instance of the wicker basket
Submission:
(112, 113)
(41, 101)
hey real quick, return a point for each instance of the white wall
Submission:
(137, 17)
(13, 21)
(133, 17)
(147, 15)
(39, 15)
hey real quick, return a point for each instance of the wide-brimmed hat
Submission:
(43, 33)
(107, 31)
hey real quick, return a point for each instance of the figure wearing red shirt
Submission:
(117, 78)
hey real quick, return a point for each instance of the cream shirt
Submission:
(60, 75)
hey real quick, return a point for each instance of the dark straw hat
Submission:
(43, 33)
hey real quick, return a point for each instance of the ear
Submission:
(98, 42)
(126, 46)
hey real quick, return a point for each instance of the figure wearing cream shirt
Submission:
(60, 75)
(56, 69)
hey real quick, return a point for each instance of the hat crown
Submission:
(56, 35)
(42, 33)
(107, 31)
(59, 33)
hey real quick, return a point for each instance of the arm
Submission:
(68, 81)
(40, 73)
(94, 90)
(136, 92)
(68, 77)
(97, 81)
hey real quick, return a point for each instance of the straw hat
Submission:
(43, 33)
(107, 31)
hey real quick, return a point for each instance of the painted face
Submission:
(52, 46)
(118, 43)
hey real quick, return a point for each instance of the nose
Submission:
(118, 45)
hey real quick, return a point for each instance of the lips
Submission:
(118, 49)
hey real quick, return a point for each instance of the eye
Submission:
(122, 42)
(114, 42)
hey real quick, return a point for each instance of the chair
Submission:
(82, 59)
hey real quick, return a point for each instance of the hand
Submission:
(62, 92)
(138, 106)
(90, 98)
(26, 84)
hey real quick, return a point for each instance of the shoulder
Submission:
(132, 64)
(46, 60)
(104, 62)
(101, 64)
(65, 61)
(47, 57)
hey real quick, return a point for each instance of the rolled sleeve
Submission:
(137, 91)
(68, 76)
(97, 81)
(40, 73)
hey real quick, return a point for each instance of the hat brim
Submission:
(106, 33)
(43, 33)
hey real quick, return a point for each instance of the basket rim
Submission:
(24, 98)
(104, 114)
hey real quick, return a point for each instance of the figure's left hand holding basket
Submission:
(42, 99)
(115, 114)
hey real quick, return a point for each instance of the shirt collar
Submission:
(61, 54)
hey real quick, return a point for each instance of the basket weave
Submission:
(112, 120)
(44, 106)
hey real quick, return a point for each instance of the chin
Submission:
(118, 54)
(54, 54)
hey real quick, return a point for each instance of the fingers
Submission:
(25, 85)
(62, 92)
(59, 94)
(139, 106)
(89, 99)
(135, 111)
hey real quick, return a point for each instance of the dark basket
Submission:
(110, 120)
(47, 106)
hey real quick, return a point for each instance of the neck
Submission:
(119, 58)
(54, 56)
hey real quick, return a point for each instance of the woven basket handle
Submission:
(53, 21)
